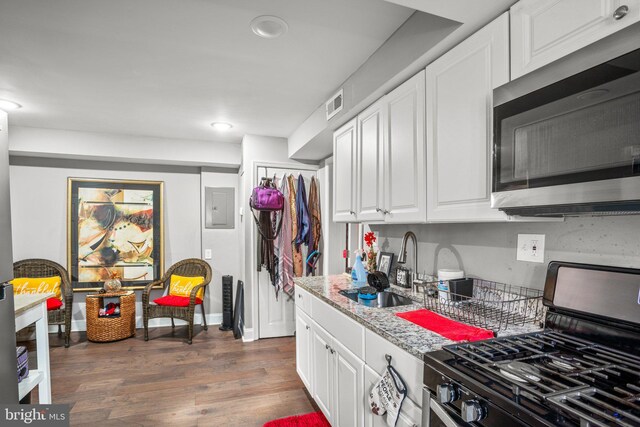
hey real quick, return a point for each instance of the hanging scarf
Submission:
(285, 259)
(297, 254)
(302, 237)
(266, 245)
(315, 220)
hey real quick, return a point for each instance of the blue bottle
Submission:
(358, 272)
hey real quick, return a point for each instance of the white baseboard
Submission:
(212, 319)
(248, 335)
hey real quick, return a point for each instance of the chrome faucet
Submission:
(402, 259)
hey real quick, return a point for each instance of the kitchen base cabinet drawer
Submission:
(345, 330)
(303, 300)
(409, 367)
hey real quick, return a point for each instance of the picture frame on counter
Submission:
(385, 260)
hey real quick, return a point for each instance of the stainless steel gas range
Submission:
(582, 370)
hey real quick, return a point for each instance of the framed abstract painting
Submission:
(115, 229)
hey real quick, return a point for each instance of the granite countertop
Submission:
(412, 338)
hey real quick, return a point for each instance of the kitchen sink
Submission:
(383, 299)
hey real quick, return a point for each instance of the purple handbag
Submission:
(266, 198)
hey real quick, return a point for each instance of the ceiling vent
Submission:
(334, 104)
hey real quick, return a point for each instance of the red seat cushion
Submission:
(175, 301)
(53, 304)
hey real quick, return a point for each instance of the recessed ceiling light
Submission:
(7, 105)
(221, 126)
(269, 27)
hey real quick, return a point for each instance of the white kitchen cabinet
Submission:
(344, 170)
(543, 31)
(349, 387)
(370, 174)
(459, 91)
(405, 159)
(385, 150)
(338, 380)
(323, 371)
(410, 413)
(303, 349)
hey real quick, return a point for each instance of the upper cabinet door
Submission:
(459, 125)
(545, 30)
(344, 157)
(406, 180)
(370, 167)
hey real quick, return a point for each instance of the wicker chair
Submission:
(45, 268)
(188, 267)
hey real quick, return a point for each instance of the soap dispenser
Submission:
(358, 272)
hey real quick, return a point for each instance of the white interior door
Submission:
(276, 317)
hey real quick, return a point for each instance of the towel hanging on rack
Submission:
(387, 395)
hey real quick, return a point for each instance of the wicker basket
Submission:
(107, 329)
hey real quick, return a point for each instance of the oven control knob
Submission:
(472, 410)
(447, 393)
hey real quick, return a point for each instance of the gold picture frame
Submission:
(115, 228)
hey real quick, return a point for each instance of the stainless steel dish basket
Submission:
(490, 305)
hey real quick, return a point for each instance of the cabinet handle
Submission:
(326, 346)
(620, 12)
(352, 212)
(299, 295)
(332, 351)
(386, 212)
(307, 326)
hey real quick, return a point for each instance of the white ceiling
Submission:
(168, 68)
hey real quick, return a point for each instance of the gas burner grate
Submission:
(594, 383)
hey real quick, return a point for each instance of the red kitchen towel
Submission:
(448, 328)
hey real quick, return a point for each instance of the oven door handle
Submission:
(442, 414)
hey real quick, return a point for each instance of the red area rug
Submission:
(448, 328)
(314, 419)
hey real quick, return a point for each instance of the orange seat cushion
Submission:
(175, 301)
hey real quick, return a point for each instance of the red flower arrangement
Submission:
(370, 239)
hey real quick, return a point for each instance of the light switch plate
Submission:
(207, 254)
(530, 248)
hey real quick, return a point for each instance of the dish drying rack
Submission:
(490, 305)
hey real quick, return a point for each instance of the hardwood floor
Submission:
(217, 381)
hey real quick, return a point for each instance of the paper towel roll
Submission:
(446, 274)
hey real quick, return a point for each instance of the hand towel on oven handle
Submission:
(387, 395)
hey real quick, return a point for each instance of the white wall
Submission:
(225, 244)
(489, 250)
(39, 209)
(66, 144)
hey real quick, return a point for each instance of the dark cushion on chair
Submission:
(175, 301)
(53, 304)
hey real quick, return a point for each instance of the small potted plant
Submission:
(370, 239)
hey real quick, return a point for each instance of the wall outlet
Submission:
(207, 254)
(530, 248)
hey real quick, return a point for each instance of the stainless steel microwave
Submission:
(567, 136)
